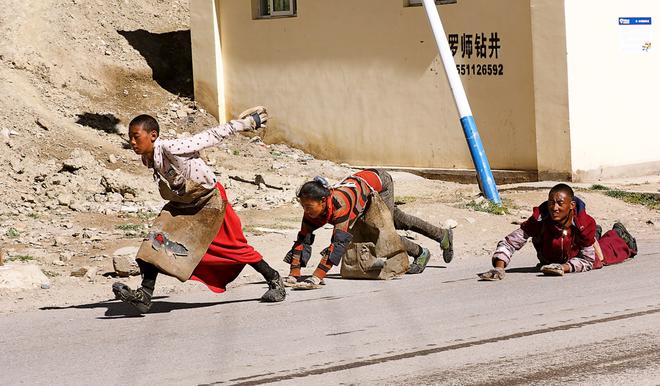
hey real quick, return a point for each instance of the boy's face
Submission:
(142, 141)
(560, 206)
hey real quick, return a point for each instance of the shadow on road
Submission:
(116, 309)
(523, 270)
(436, 266)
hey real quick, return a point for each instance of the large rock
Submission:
(79, 159)
(116, 181)
(123, 261)
(22, 276)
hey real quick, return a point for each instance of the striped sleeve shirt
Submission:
(346, 203)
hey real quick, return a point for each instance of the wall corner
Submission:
(208, 72)
(553, 136)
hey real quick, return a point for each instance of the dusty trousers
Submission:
(405, 221)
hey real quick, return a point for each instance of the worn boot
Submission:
(419, 264)
(139, 298)
(447, 245)
(310, 283)
(291, 281)
(276, 292)
(627, 237)
(599, 232)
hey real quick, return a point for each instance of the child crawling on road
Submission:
(197, 234)
(565, 237)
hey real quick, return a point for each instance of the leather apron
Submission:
(376, 250)
(184, 229)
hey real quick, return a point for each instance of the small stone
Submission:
(129, 209)
(66, 256)
(91, 274)
(58, 263)
(4, 134)
(78, 206)
(450, 224)
(65, 199)
(112, 159)
(181, 114)
(119, 182)
(115, 197)
(80, 272)
(250, 203)
(45, 286)
(123, 261)
(79, 159)
(470, 220)
(29, 198)
(22, 276)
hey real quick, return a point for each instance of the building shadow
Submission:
(102, 122)
(117, 309)
(169, 55)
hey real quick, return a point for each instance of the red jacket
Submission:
(555, 245)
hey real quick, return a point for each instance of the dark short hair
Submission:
(146, 122)
(562, 188)
(313, 190)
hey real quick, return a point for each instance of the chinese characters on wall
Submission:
(477, 46)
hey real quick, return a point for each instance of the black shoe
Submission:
(627, 237)
(139, 298)
(276, 292)
(599, 232)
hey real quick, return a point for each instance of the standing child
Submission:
(193, 193)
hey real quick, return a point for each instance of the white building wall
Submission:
(614, 89)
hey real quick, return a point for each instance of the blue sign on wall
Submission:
(634, 21)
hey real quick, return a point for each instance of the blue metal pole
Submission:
(477, 151)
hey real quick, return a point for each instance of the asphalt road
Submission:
(441, 327)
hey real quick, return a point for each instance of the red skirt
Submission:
(228, 253)
(615, 250)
